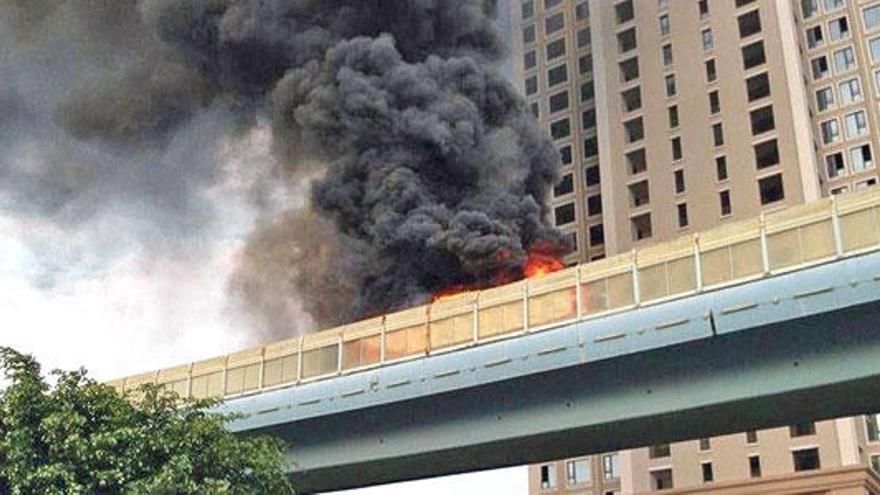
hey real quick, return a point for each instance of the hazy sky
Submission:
(141, 310)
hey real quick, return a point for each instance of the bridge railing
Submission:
(735, 253)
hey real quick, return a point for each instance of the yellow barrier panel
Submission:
(553, 297)
(500, 310)
(452, 320)
(281, 362)
(320, 354)
(731, 252)
(406, 333)
(667, 269)
(859, 220)
(176, 379)
(799, 235)
(207, 378)
(362, 343)
(243, 371)
(607, 284)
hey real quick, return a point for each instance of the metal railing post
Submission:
(835, 227)
(637, 296)
(698, 264)
(578, 292)
(765, 250)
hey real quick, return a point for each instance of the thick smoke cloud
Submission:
(424, 160)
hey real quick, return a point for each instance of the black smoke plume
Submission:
(423, 157)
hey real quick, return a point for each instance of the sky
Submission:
(142, 309)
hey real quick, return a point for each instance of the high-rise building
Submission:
(675, 116)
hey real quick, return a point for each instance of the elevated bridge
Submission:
(756, 324)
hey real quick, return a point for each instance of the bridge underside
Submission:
(727, 365)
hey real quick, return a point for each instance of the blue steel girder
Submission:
(804, 345)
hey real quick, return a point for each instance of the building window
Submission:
(536, 111)
(578, 472)
(871, 16)
(724, 200)
(588, 118)
(530, 60)
(664, 25)
(548, 476)
(629, 69)
(636, 161)
(762, 120)
(834, 165)
(875, 463)
(824, 99)
(833, 4)
(814, 36)
(670, 85)
(751, 437)
(755, 466)
(591, 176)
(549, 4)
(632, 99)
(658, 451)
(753, 55)
(641, 227)
(838, 28)
(554, 23)
(560, 129)
(610, 462)
(661, 479)
(624, 11)
(557, 75)
(564, 214)
(591, 147)
(708, 475)
(531, 85)
(597, 238)
(819, 67)
(626, 40)
(565, 154)
(594, 205)
(666, 52)
(806, 459)
(714, 103)
(717, 134)
(528, 9)
(809, 8)
(758, 86)
(703, 7)
(844, 59)
(872, 423)
(584, 37)
(708, 41)
(771, 189)
(682, 215)
(582, 11)
(676, 148)
(634, 130)
(639, 194)
(861, 158)
(749, 24)
(588, 91)
(830, 131)
(528, 34)
(866, 183)
(766, 154)
(705, 444)
(742, 3)
(721, 168)
(679, 181)
(565, 186)
(711, 73)
(802, 429)
(672, 113)
(555, 49)
(558, 102)
(855, 124)
(850, 91)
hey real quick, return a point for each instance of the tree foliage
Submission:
(78, 436)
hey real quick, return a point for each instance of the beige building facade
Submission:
(675, 116)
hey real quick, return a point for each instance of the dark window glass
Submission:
(753, 55)
(771, 189)
(565, 186)
(564, 214)
(766, 154)
(749, 24)
(806, 459)
(758, 86)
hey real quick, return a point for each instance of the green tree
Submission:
(78, 436)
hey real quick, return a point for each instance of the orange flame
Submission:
(538, 263)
